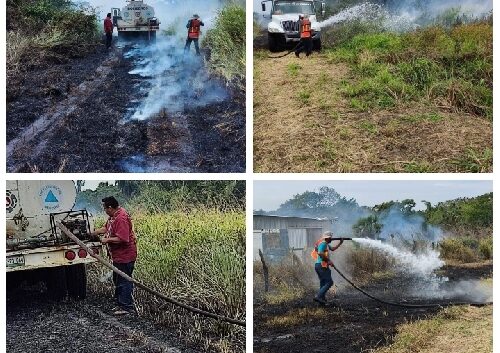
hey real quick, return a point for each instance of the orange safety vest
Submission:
(314, 253)
(305, 28)
(194, 29)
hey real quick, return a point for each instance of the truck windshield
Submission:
(289, 7)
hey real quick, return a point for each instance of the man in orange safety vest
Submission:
(194, 31)
(306, 36)
(322, 265)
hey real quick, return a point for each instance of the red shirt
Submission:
(120, 225)
(108, 25)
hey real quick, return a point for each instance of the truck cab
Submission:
(283, 28)
(36, 248)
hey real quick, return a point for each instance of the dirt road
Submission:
(81, 116)
(358, 324)
(35, 324)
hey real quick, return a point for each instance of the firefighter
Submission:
(306, 34)
(122, 244)
(322, 265)
(108, 29)
(194, 31)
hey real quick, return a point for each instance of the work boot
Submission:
(320, 300)
(297, 55)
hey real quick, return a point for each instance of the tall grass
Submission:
(452, 68)
(197, 257)
(226, 41)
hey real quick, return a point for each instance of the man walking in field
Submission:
(108, 29)
(322, 265)
(194, 30)
(306, 34)
(122, 244)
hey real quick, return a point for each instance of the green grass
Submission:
(226, 41)
(304, 96)
(474, 161)
(293, 69)
(198, 258)
(433, 64)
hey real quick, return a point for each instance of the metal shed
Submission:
(275, 236)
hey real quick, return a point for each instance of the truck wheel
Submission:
(76, 281)
(56, 283)
(317, 45)
(272, 42)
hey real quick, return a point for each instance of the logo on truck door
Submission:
(50, 195)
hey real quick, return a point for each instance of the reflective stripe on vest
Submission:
(314, 253)
(194, 29)
(305, 29)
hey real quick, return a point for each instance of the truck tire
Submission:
(76, 281)
(317, 45)
(272, 42)
(56, 283)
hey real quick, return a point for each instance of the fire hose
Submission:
(402, 304)
(143, 286)
(287, 53)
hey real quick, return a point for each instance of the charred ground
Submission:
(84, 102)
(358, 324)
(37, 324)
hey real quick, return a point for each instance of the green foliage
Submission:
(470, 212)
(226, 41)
(432, 64)
(367, 227)
(165, 196)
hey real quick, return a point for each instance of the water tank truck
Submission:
(37, 251)
(136, 20)
(283, 28)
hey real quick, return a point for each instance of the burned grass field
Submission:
(419, 101)
(139, 107)
(287, 320)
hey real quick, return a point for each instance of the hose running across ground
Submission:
(401, 304)
(144, 287)
(283, 55)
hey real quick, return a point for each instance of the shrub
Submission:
(227, 44)
(486, 248)
(459, 249)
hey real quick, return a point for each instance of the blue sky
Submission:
(268, 195)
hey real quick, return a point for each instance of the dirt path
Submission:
(35, 324)
(83, 123)
(357, 324)
(303, 123)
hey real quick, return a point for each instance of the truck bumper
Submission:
(53, 256)
(294, 37)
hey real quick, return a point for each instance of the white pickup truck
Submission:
(283, 27)
(36, 249)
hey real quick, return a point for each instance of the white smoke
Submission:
(408, 227)
(422, 264)
(407, 15)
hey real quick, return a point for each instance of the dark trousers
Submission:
(124, 288)
(188, 45)
(109, 38)
(325, 279)
(305, 44)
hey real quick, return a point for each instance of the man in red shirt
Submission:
(194, 31)
(122, 244)
(108, 29)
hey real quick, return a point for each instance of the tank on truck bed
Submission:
(36, 248)
(136, 20)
